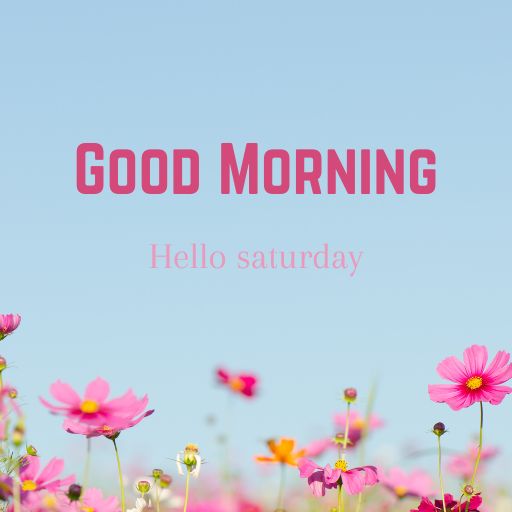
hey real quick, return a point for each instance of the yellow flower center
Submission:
(89, 407)
(359, 424)
(474, 383)
(85, 508)
(236, 384)
(341, 464)
(50, 502)
(28, 485)
(400, 491)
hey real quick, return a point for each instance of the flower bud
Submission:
(350, 395)
(157, 473)
(18, 435)
(439, 429)
(3, 364)
(189, 455)
(31, 450)
(339, 438)
(468, 490)
(165, 481)
(13, 393)
(143, 486)
(74, 492)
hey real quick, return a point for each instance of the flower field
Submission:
(334, 473)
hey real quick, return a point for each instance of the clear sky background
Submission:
(435, 275)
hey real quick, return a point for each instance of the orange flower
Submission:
(282, 452)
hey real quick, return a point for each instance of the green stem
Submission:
(345, 435)
(280, 496)
(341, 503)
(17, 490)
(480, 444)
(120, 471)
(367, 418)
(439, 468)
(187, 484)
(158, 497)
(359, 502)
(87, 465)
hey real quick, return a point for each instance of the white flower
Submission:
(140, 505)
(189, 458)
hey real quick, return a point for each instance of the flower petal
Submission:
(475, 358)
(64, 393)
(452, 369)
(97, 390)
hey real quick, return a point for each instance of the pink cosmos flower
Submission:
(5, 487)
(33, 480)
(415, 484)
(241, 383)
(321, 478)
(8, 324)
(319, 447)
(93, 413)
(92, 501)
(110, 430)
(357, 426)
(463, 465)
(473, 380)
(451, 504)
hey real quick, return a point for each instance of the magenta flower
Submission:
(321, 478)
(451, 504)
(93, 412)
(415, 484)
(8, 324)
(34, 480)
(241, 383)
(473, 380)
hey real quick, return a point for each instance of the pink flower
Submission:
(321, 478)
(452, 505)
(462, 465)
(8, 324)
(248, 506)
(473, 381)
(416, 484)
(32, 480)
(8, 396)
(5, 487)
(93, 414)
(93, 501)
(357, 427)
(319, 447)
(207, 506)
(241, 383)
(110, 430)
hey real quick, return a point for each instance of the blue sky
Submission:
(435, 276)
